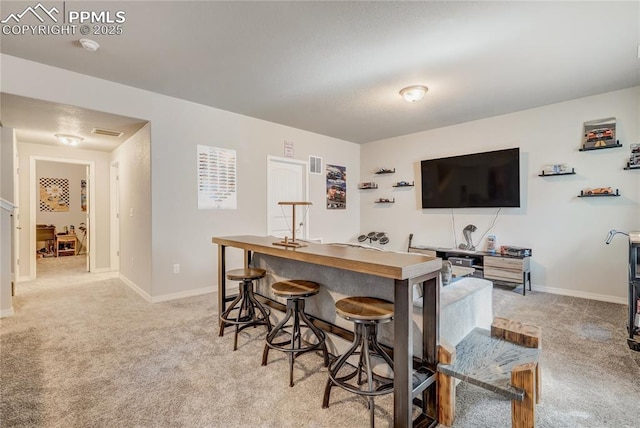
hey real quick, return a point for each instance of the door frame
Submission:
(115, 216)
(33, 203)
(271, 161)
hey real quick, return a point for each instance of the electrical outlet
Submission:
(176, 268)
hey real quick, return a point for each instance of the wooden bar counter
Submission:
(402, 270)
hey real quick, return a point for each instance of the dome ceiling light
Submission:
(414, 93)
(69, 140)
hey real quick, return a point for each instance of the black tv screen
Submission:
(489, 179)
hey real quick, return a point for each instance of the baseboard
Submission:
(581, 294)
(102, 270)
(24, 278)
(183, 294)
(135, 288)
(6, 312)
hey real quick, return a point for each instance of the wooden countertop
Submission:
(386, 264)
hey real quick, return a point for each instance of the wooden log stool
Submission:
(295, 291)
(245, 310)
(366, 313)
(504, 360)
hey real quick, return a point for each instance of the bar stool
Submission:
(245, 304)
(366, 313)
(295, 291)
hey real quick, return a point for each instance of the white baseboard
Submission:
(135, 288)
(581, 294)
(6, 312)
(183, 294)
(102, 270)
(24, 278)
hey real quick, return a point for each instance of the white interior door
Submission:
(88, 213)
(287, 181)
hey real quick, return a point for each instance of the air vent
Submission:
(107, 132)
(315, 165)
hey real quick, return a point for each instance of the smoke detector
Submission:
(89, 45)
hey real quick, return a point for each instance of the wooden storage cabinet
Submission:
(506, 269)
(66, 245)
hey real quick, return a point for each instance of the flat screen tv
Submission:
(479, 180)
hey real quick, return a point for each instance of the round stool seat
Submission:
(295, 288)
(361, 308)
(246, 274)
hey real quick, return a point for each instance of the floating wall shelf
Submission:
(573, 172)
(385, 201)
(367, 186)
(404, 184)
(610, 146)
(597, 195)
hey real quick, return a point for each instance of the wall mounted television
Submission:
(478, 180)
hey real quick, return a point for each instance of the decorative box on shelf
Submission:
(368, 185)
(404, 184)
(385, 171)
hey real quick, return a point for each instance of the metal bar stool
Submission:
(242, 311)
(295, 291)
(366, 313)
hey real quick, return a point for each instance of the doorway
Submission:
(287, 180)
(61, 215)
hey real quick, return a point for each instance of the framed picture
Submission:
(599, 134)
(336, 187)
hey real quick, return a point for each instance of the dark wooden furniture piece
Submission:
(244, 310)
(295, 291)
(365, 313)
(504, 360)
(402, 271)
(508, 270)
(46, 234)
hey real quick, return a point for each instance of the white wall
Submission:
(6, 220)
(134, 171)
(102, 228)
(180, 232)
(566, 233)
(74, 173)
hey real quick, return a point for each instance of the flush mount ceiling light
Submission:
(69, 140)
(414, 93)
(89, 45)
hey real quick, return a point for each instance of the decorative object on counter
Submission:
(365, 313)
(634, 158)
(598, 191)
(72, 230)
(385, 171)
(292, 243)
(600, 134)
(245, 310)
(467, 231)
(380, 237)
(336, 187)
(510, 250)
(368, 185)
(295, 291)
(385, 201)
(491, 243)
(404, 184)
(557, 169)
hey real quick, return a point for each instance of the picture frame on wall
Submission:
(599, 134)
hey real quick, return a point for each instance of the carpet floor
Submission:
(85, 350)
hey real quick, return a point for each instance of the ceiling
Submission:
(335, 68)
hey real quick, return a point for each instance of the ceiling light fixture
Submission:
(414, 93)
(69, 140)
(89, 45)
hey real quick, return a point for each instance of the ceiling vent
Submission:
(107, 132)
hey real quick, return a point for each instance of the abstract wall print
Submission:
(217, 180)
(54, 194)
(83, 195)
(599, 133)
(336, 187)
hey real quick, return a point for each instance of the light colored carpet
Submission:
(84, 350)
